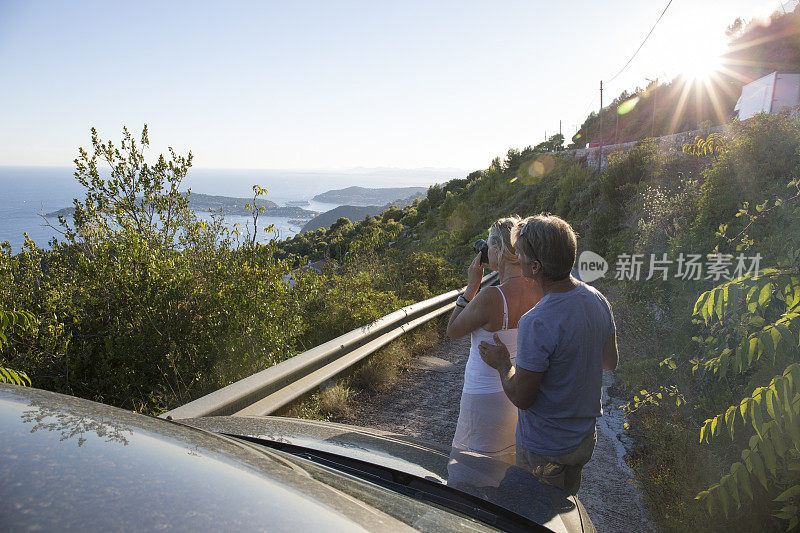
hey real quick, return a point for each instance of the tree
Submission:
(135, 196)
(751, 322)
(256, 210)
(552, 144)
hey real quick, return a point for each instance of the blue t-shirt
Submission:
(563, 336)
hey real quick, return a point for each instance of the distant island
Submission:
(360, 203)
(236, 206)
(355, 213)
(361, 196)
(228, 205)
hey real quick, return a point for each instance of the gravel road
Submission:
(424, 404)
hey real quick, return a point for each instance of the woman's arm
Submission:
(475, 314)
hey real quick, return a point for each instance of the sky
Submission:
(332, 85)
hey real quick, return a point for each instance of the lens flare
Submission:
(455, 222)
(531, 172)
(545, 164)
(627, 106)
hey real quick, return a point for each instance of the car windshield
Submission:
(483, 482)
(473, 504)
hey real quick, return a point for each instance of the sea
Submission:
(28, 192)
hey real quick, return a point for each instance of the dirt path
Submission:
(424, 404)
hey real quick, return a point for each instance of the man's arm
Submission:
(520, 385)
(610, 353)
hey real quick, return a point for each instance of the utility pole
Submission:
(653, 88)
(600, 160)
(653, 127)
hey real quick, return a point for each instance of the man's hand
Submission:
(496, 356)
(520, 385)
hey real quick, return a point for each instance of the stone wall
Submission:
(670, 144)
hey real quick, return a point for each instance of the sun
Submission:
(701, 65)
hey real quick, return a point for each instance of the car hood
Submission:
(71, 464)
(509, 486)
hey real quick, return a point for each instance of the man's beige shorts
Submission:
(560, 470)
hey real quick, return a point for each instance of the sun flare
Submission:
(701, 66)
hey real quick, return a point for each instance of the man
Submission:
(563, 344)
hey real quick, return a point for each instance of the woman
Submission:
(487, 419)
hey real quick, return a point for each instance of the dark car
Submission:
(72, 464)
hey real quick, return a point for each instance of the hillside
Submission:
(350, 212)
(662, 108)
(359, 212)
(362, 196)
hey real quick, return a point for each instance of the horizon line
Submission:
(310, 170)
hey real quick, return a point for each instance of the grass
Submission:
(375, 374)
(335, 401)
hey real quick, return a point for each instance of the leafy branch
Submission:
(8, 319)
(761, 212)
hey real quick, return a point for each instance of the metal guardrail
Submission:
(272, 388)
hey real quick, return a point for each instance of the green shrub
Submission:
(760, 157)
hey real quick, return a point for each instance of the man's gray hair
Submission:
(550, 240)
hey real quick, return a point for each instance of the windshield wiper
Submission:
(416, 487)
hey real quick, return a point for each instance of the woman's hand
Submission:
(496, 356)
(474, 277)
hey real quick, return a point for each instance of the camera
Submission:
(482, 247)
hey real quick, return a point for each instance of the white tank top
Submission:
(480, 378)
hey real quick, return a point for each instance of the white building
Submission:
(769, 94)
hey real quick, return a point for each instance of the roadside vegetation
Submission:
(142, 305)
(148, 315)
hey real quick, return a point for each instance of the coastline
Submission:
(32, 191)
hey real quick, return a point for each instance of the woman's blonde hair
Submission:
(500, 235)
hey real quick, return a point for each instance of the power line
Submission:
(641, 45)
(594, 98)
(588, 108)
